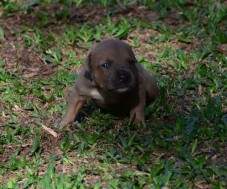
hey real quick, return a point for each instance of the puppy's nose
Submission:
(124, 76)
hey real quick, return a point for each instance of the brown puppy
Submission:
(114, 80)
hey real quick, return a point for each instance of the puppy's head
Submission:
(112, 66)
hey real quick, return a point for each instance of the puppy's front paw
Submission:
(137, 116)
(64, 126)
(63, 123)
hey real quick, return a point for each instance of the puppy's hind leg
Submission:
(152, 90)
(137, 113)
(75, 103)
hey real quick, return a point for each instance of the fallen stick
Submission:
(50, 131)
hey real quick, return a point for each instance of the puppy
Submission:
(114, 79)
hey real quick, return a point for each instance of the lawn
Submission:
(184, 142)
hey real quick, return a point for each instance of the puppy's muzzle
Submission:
(124, 77)
(123, 80)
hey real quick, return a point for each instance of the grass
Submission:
(183, 144)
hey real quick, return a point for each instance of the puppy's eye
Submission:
(106, 65)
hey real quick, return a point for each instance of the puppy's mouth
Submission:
(123, 82)
(122, 90)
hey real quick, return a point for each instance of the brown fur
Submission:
(114, 80)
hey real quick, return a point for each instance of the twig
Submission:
(50, 131)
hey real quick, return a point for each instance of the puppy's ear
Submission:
(88, 60)
(88, 72)
(89, 56)
(88, 75)
(132, 60)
